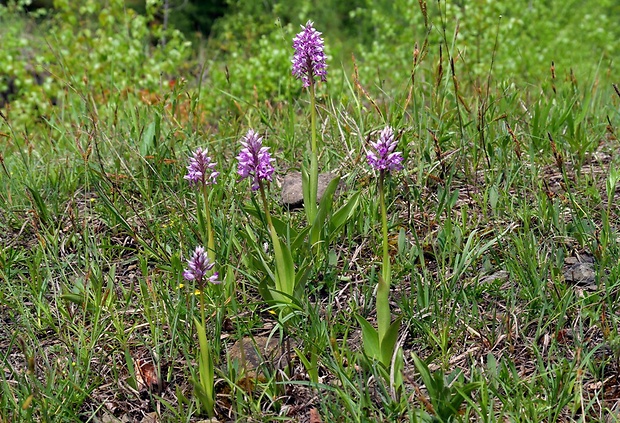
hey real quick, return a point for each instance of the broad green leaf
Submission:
(112, 208)
(388, 342)
(324, 209)
(282, 228)
(425, 374)
(397, 368)
(309, 203)
(258, 260)
(384, 316)
(301, 279)
(310, 365)
(343, 214)
(162, 255)
(370, 338)
(285, 268)
(206, 370)
(83, 300)
(264, 290)
(148, 139)
(298, 241)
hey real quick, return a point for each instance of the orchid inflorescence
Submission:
(255, 160)
(383, 157)
(309, 60)
(198, 268)
(200, 169)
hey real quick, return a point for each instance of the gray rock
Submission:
(580, 273)
(252, 353)
(292, 193)
(499, 275)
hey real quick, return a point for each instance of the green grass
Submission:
(509, 184)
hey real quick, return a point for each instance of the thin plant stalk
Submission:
(309, 62)
(199, 266)
(210, 236)
(263, 197)
(272, 230)
(282, 285)
(384, 316)
(314, 159)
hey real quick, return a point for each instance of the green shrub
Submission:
(80, 45)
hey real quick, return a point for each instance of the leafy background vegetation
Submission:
(504, 223)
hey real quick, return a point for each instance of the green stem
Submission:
(203, 318)
(263, 196)
(314, 158)
(210, 237)
(313, 116)
(206, 364)
(384, 316)
(274, 239)
(205, 361)
(384, 229)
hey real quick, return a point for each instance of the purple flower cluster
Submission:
(309, 59)
(198, 267)
(255, 160)
(384, 158)
(200, 169)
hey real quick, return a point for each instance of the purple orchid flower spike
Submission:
(200, 169)
(198, 267)
(255, 160)
(309, 59)
(382, 157)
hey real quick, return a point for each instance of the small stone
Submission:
(292, 192)
(499, 275)
(252, 352)
(580, 273)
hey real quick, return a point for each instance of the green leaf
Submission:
(78, 299)
(309, 205)
(282, 228)
(206, 371)
(112, 208)
(384, 316)
(83, 300)
(325, 208)
(388, 343)
(157, 132)
(343, 214)
(370, 338)
(425, 374)
(257, 261)
(148, 246)
(301, 279)
(397, 369)
(311, 367)
(298, 241)
(265, 291)
(132, 381)
(148, 139)
(285, 267)
(462, 392)
(42, 211)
